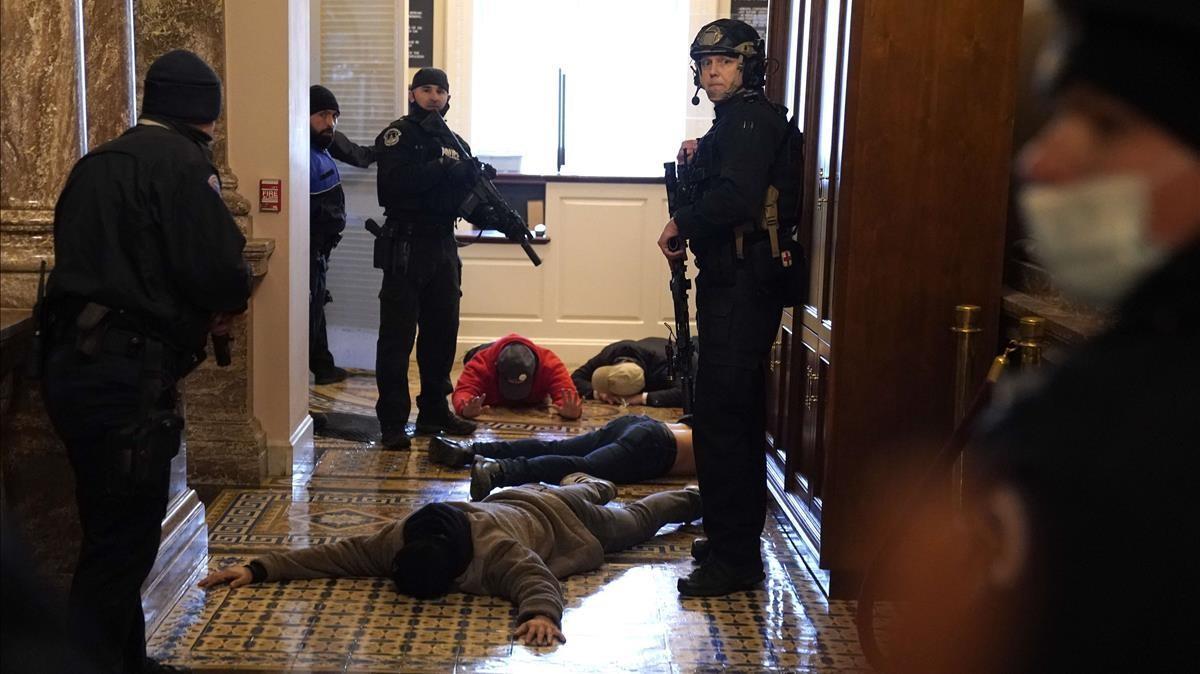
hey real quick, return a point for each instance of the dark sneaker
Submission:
(155, 667)
(715, 579)
(448, 424)
(453, 453)
(330, 376)
(700, 549)
(485, 476)
(395, 440)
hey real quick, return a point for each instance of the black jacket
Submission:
(651, 354)
(416, 184)
(140, 227)
(327, 204)
(1106, 453)
(348, 152)
(732, 169)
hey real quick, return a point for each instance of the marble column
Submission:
(226, 444)
(42, 136)
(67, 86)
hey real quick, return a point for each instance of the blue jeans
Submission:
(627, 449)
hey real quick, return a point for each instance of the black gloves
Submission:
(460, 172)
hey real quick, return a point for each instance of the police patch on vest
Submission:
(451, 153)
(215, 183)
(391, 136)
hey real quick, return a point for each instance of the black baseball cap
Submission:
(515, 367)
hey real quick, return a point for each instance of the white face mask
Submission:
(1091, 235)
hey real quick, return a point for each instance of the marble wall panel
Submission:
(195, 25)
(225, 442)
(108, 61)
(42, 132)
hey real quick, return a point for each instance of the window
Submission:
(624, 71)
(359, 64)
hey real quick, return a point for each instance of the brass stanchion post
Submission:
(1032, 334)
(966, 326)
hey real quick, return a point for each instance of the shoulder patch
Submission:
(391, 136)
(215, 183)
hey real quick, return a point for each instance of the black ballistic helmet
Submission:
(730, 37)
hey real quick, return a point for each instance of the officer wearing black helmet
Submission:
(148, 262)
(731, 172)
(421, 185)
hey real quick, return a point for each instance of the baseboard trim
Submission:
(182, 550)
(281, 457)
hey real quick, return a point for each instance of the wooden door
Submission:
(824, 114)
(774, 398)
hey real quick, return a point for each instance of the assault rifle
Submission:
(679, 342)
(484, 205)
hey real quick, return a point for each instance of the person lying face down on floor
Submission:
(516, 543)
(628, 449)
(515, 372)
(632, 372)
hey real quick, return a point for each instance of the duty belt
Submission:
(126, 343)
(419, 227)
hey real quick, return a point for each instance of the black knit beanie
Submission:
(321, 99)
(181, 86)
(437, 549)
(430, 76)
(1143, 53)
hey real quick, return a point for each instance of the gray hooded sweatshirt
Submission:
(525, 539)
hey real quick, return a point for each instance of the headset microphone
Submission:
(696, 96)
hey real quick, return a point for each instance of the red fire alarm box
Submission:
(270, 195)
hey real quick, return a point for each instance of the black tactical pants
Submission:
(89, 400)
(421, 303)
(320, 360)
(738, 322)
(628, 449)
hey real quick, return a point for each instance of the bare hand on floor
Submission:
(236, 576)
(474, 406)
(539, 631)
(572, 405)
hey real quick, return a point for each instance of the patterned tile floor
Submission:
(624, 617)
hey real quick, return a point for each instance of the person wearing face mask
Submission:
(1093, 471)
(327, 218)
(422, 183)
(148, 262)
(731, 170)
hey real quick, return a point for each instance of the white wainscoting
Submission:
(602, 278)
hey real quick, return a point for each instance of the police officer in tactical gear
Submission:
(327, 218)
(148, 262)
(421, 184)
(738, 312)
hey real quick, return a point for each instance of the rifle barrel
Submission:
(523, 237)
